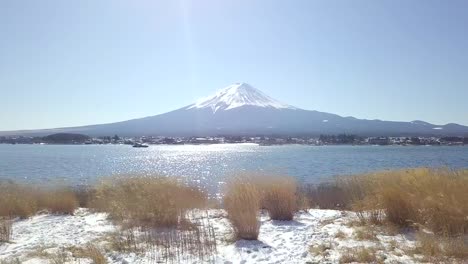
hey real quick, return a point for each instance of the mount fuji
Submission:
(241, 109)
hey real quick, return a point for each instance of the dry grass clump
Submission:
(95, 255)
(23, 201)
(278, 196)
(328, 195)
(17, 200)
(340, 234)
(242, 203)
(147, 201)
(58, 201)
(84, 194)
(246, 194)
(6, 230)
(62, 256)
(321, 249)
(10, 261)
(366, 233)
(440, 249)
(359, 255)
(50, 254)
(436, 199)
(90, 252)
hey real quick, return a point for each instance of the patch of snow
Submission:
(419, 122)
(325, 121)
(278, 242)
(438, 128)
(237, 95)
(55, 231)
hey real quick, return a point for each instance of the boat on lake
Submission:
(140, 145)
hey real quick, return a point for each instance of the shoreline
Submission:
(247, 144)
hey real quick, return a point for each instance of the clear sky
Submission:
(67, 63)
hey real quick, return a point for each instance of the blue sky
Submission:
(67, 63)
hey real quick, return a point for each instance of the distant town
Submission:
(342, 139)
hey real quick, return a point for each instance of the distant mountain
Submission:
(240, 109)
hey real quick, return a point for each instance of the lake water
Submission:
(211, 164)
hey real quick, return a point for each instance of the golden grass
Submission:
(436, 199)
(242, 203)
(147, 201)
(23, 201)
(278, 196)
(359, 255)
(59, 201)
(17, 200)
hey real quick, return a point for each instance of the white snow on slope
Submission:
(279, 241)
(52, 231)
(237, 95)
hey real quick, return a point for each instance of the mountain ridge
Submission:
(241, 109)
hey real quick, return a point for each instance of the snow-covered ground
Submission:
(315, 236)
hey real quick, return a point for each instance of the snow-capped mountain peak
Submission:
(237, 95)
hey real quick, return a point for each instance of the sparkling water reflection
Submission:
(211, 164)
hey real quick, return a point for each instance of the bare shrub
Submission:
(125, 240)
(192, 242)
(147, 201)
(278, 196)
(242, 203)
(195, 243)
(60, 257)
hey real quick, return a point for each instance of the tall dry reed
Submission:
(242, 203)
(22, 200)
(6, 230)
(436, 199)
(17, 200)
(278, 196)
(58, 201)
